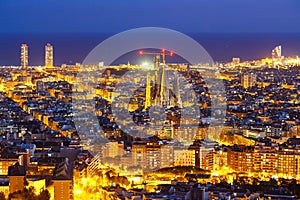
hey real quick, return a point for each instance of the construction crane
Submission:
(163, 53)
(160, 92)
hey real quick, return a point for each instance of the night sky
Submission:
(75, 27)
(98, 16)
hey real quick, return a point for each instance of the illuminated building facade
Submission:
(113, 149)
(269, 159)
(148, 92)
(153, 158)
(206, 157)
(276, 52)
(16, 174)
(176, 91)
(287, 163)
(24, 55)
(162, 93)
(159, 91)
(265, 159)
(236, 61)
(139, 153)
(201, 133)
(167, 155)
(153, 154)
(48, 55)
(63, 181)
(146, 154)
(184, 157)
(5, 163)
(220, 159)
(248, 80)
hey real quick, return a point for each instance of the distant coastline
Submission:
(70, 48)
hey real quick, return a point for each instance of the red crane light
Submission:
(141, 52)
(171, 53)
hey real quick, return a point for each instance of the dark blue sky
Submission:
(102, 16)
(75, 27)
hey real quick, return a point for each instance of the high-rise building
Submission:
(220, 159)
(240, 158)
(206, 154)
(149, 155)
(48, 55)
(148, 92)
(176, 91)
(248, 80)
(113, 149)
(236, 61)
(161, 95)
(265, 158)
(167, 155)
(276, 52)
(16, 174)
(63, 181)
(24, 55)
(5, 162)
(184, 156)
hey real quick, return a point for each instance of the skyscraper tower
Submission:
(276, 52)
(176, 91)
(162, 86)
(48, 55)
(156, 78)
(162, 92)
(148, 92)
(156, 62)
(24, 55)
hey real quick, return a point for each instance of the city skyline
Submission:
(136, 100)
(131, 56)
(253, 141)
(254, 29)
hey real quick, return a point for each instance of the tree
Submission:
(2, 196)
(44, 195)
(28, 194)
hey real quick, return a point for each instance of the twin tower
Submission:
(48, 55)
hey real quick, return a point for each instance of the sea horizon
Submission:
(70, 48)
